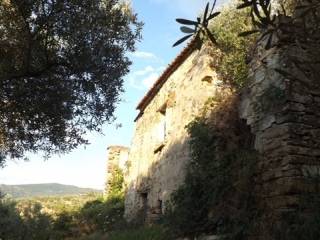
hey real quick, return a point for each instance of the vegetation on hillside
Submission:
(60, 217)
(85, 217)
(41, 190)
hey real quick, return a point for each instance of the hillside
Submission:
(45, 189)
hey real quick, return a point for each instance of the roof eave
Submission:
(185, 53)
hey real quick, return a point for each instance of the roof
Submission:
(165, 75)
(117, 147)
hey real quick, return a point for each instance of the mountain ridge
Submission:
(43, 190)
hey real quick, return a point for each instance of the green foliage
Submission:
(29, 224)
(235, 50)
(64, 225)
(261, 17)
(200, 26)
(115, 187)
(60, 217)
(10, 221)
(103, 215)
(217, 195)
(269, 23)
(36, 225)
(143, 233)
(59, 205)
(42, 190)
(61, 71)
(94, 236)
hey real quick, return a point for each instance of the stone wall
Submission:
(117, 159)
(160, 151)
(282, 106)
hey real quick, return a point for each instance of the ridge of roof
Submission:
(184, 54)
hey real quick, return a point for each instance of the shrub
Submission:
(217, 195)
(103, 215)
(29, 224)
(116, 188)
(232, 66)
(65, 225)
(10, 221)
(37, 225)
(143, 233)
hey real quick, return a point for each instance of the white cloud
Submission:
(143, 55)
(144, 79)
(149, 80)
(144, 71)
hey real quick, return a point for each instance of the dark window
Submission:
(144, 199)
(159, 207)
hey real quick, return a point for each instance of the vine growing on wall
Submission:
(217, 196)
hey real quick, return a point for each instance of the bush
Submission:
(103, 215)
(232, 67)
(115, 188)
(29, 224)
(10, 221)
(144, 233)
(217, 195)
(64, 217)
(37, 225)
(65, 225)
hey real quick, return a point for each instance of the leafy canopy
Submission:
(62, 64)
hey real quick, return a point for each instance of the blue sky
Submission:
(86, 167)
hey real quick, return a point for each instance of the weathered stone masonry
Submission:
(283, 111)
(159, 150)
(283, 114)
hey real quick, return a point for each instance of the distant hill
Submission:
(45, 189)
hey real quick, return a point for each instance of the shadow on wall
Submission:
(147, 196)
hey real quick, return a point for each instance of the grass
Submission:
(143, 233)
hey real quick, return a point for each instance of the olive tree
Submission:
(62, 64)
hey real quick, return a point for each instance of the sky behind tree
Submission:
(86, 166)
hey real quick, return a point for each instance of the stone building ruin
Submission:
(281, 112)
(159, 151)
